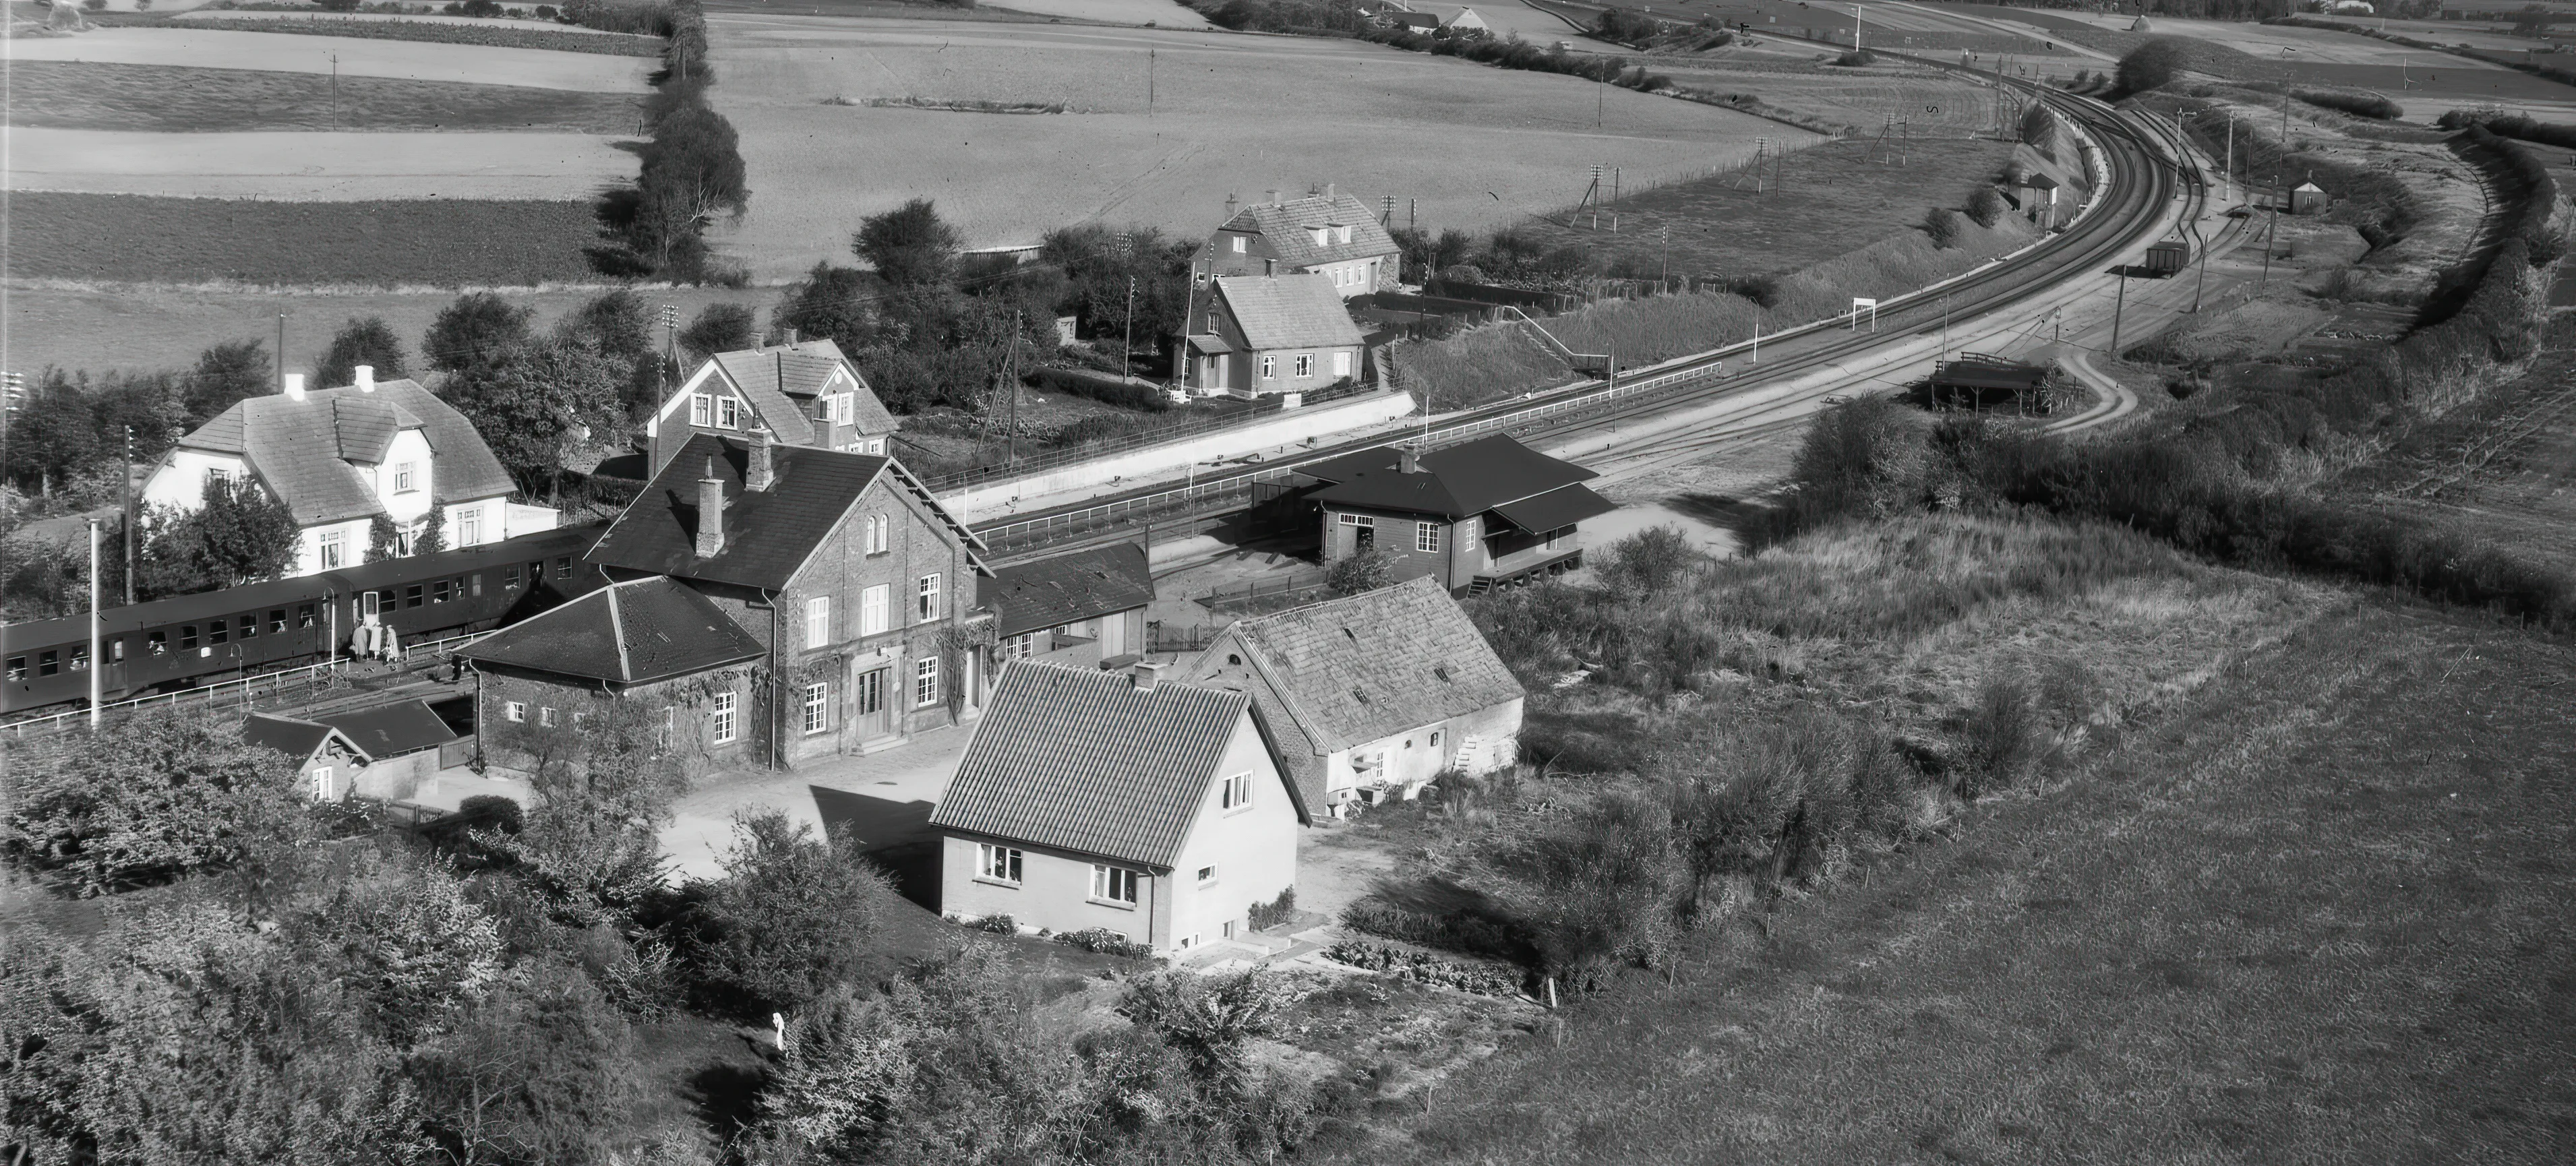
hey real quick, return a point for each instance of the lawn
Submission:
(1455, 144)
(95, 96)
(442, 242)
(2323, 912)
(313, 165)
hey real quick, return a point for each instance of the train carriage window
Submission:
(304, 615)
(250, 625)
(80, 657)
(438, 591)
(157, 642)
(49, 663)
(277, 619)
(17, 668)
(187, 637)
(219, 632)
(116, 650)
(563, 567)
(537, 571)
(510, 578)
(411, 595)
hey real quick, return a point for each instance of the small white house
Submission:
(341, 458)
(1105, 800)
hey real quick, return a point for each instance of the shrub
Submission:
(144, 800)
(1422, 968)
(1626, 27)
(790, 919)
(1105, 942)
(1265, 916)
(1649, 561)
(1454, 931)
(2039, 127)
(997, 925)
(1943, 227)
(2152, 65)
(1362, 572)
(2372, 105)
(2003, 743)
(1857, 58)
(1986, 207)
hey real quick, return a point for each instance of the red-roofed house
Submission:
(1092, 799)
(806, 393)
(1254, 334)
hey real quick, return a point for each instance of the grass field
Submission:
(2323, 914)
(1456, 144)
(441, 242)
(96, 96)
(504, 34)
(412, 60)
(310, 166)
(1930, 103)
(1159, 13)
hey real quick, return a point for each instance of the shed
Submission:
(325, 757)
(1977, 381)
(2308, 198)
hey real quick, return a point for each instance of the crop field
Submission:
(522, 35)
(341, 166)
(92, 96)
(1159, 13)
(410, 60)
(443, 242)
(1455, 144)
(316, 17)
(1930, 103)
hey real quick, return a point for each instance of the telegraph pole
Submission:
(281, 352)
(2117, 305)
(95, 669)
(125, 508)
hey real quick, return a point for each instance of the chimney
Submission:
(791, 337)
(1408, 460)
(1274, 198)
(1328, 190)
(366, 378)
(1147, 675)
(295, 386)
(759, 474)
(710, 513)
(1229, 206)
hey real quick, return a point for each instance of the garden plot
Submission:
(336, 166)
(1454, 143)
(410, 60)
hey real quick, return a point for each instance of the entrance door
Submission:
(875, 719)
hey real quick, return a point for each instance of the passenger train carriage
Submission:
(190, 640)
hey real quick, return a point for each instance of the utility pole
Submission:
(1011, 385)
(1126, 346)
(281, 352)
(125, 512)
(2117, 305)
(2269, 232)
(95, 669)
(1600, 96)
(335, 91)
(1149, 82)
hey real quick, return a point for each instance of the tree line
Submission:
(692, 172)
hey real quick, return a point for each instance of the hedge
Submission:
(1424, 968)
(1454, 932)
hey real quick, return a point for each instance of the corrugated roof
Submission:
(307, 452)
(391, 730)
(1455, 482)
(1081, 760)
(1287, 311)
(1065, 588)
(625, 633)
(1289, 226)
(288, 735)
(1349, 671)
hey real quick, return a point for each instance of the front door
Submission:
(875, 719)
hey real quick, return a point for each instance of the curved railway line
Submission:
(2145, 164)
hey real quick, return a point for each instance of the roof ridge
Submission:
(617, 632)
(1306, 720)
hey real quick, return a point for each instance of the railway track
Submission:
(2145, 165)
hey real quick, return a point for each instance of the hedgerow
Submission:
(491, 36)
(2371, 105)
(1512, 52)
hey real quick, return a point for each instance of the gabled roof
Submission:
(634, 632)
(1350, 671)
(769, 534)
(1287, 311)
(1455, 482)
(308, 452)
(391, 730)
(1079, 586)
(1082, 760)
(299, 739)
(776, 378)
(1288, 227)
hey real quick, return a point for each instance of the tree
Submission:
(53, 434)
(830, 303)
(692, 173)
(384, 539)
(146, 799)
(602, 789)
(1649, 561)
(615, 325)
(236, 535)
(724, 327)
(403, 935)
(479, 328)
(369, 342)
(788, 922)
(537, 403)
(1945, 227)
(1986, 207)
(224, 375)
(909, 245)
(540, 1073)
(2151, 65)
(433, 533)
(2039, 127)
(1366, 571)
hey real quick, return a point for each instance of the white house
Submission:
(807, 394)
(341, 458)
(1371, 695)
(1105, 800)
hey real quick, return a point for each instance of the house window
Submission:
(563, 566)
(1363, 532)
(546, 718)
(873, 602)
(1237, 792)
(1426, 537)
(1341, 234)
(50, 664)
(469, 527)
(877, 448)
(321, 783)
(1341, 364)
(17, 668)
(188, 637)
(926, 596)
(1020, 647)
(1305, 364)
(1321, 234)
(1436, 737)
(1269, 367)
(218, 476)
(1113, 884)
(925, 681)
(334, 550)
(1207, 874)
(818, 708)
(818, 621)
(720, 713)
(880, 534)
(412, 594)
(701, 409)
(998, 863)
(1239, 241)
(1468, 532)
(728, 413)
(516, 711)
(403, 483)
(439, 591)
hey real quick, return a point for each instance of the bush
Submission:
(2039, 127)
(1626, 27)
(1857, 58)
(2152, 65)
(1361, 572)
(1942, 226)
(2372, 105)
(997, 925)
(789, 921)
(1265, 916)
(2003, 738)
(1421, 968)
(147, 799)
(1453, 931)
(1105, 942)
(1986, 207)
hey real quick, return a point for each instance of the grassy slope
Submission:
(2323, 914)
(440, 242)
(95, 96)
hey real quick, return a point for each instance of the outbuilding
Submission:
(2308, 198)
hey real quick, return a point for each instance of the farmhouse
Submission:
(1257, 334)
(1082, 609)
(807, 394)
(1371, 695)
(1331, 235)
(1470, 517)
(340, 459)
(1101, 800)
(857, 589)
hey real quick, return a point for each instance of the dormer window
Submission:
(404, 479)
(728, 413)
(1322, 234)
(1341, 234)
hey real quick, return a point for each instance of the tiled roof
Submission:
(306, 452)
(288, 735)
(1065, 588)
(625, 633)
(1081, 760)
(1287, 311)
(1349, 671)
(756, 374)
(1455, 482)
(1288, 227)
(770, 377)
(391, 730)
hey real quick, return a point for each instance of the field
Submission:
(94, 96)
(440, 242)
(318, 166)
(1930, 103)
(412, 60)
(2323, 914)
(1455, 144)
(1159, 13)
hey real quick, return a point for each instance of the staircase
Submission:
(1470, 751)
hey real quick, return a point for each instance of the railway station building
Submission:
(1472, 517)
